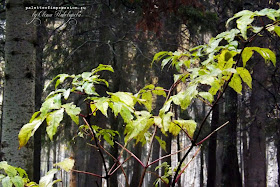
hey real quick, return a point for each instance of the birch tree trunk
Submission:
(19, 86)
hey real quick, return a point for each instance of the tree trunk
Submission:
(257, 144)
(211, 170)
(230, 169)
(19, 91)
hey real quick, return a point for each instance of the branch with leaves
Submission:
(214, 67)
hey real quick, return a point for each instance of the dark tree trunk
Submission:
(230, 169)
(211, 170)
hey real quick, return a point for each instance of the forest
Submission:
(164, 93)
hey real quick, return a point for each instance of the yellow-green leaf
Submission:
(53, 120)
(73, 111)
(246, 55)
(188, 125)
(236, 83)
(245, 75)
(67, 164)
(29, 129)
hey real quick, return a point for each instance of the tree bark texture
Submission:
(19, 86)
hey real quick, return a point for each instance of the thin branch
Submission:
(148, 158)
(133, 155)
(157, 160)
(187, 164)
(99, 149)
(216, 130)
(88, 173)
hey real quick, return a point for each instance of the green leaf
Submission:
(147, 96)
(158, 121)
(266, 53)
(17, 181)
(125, 97)
(126, 114)
(277, 30)
(236, 83)
(161, 142)
(137, 128)
(102, 67)
(213, 44)
(239, 14)
(73, 111)
(102, 105)
(47, 180)
(10, 170)
(6, 182)
(174, 129)
(29, 129)
(51, 103)
(215, 87)
(165, 61)
(67, 164)
(245, 75)
(89, 88)
(207, 95)
(166, 121)
(66, 93)
(246, 55)
(188, 125)
(21, 172)
(159, 91)
(160, 55)
(53, 120)
(242, 24)
(61, 79)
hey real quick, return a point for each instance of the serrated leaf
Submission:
(159, 91)
(206, 95)
(137, 128)
(215, 87)
(239, 14)
(102, 105)
(47, 180)
(126, 114)
(147, 96)
(29, 129)
(17, 181)
(174, 129)
(9, 170)
(236, 83)
(266, 53)
(125, 97)
(6, 182)
(246, 55)
(51, 103)
(67, 164)
(73, 111)
(89, 88)
(242, 24)
(245, 75)
(188, 125)
(161, 142)
(53, 120)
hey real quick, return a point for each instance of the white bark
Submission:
(19, 86)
